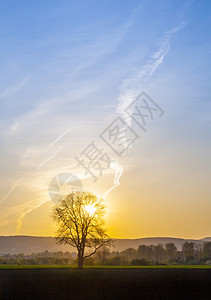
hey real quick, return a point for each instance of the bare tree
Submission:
(79, 217)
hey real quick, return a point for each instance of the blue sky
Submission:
(70, 68)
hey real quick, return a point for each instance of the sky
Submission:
(71, 69)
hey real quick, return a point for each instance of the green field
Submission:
(22, 267)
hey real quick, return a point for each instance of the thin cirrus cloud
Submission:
(16, 184)
(99, 49)
(13, 89)
(71, 86)
(129, 90)
(132, 87)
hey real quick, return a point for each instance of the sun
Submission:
(90, 209)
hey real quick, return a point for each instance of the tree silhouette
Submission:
(171, 251)
(79, 217)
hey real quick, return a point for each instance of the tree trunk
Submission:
(80, 259)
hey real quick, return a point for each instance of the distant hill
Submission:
(207, 239)
(29, 244)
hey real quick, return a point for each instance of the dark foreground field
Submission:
(106, 284)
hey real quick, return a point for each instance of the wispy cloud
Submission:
(14, 88)
(42, 164)
(94, 51)
(101, 50)
(118, 173)
(11, 190)
(129, 90)
(59, 137)
(26, 212)
(132, 87)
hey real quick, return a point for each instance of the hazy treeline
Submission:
(191, 253)
(44, 258)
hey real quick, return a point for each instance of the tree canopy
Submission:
(80, 220)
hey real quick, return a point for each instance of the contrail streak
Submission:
(133, 86)
(59, 137)
(118, 173)
(42, 164)
(130, 90)
(11, 190)
(22, 216)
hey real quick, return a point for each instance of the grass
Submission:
(25, 267)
